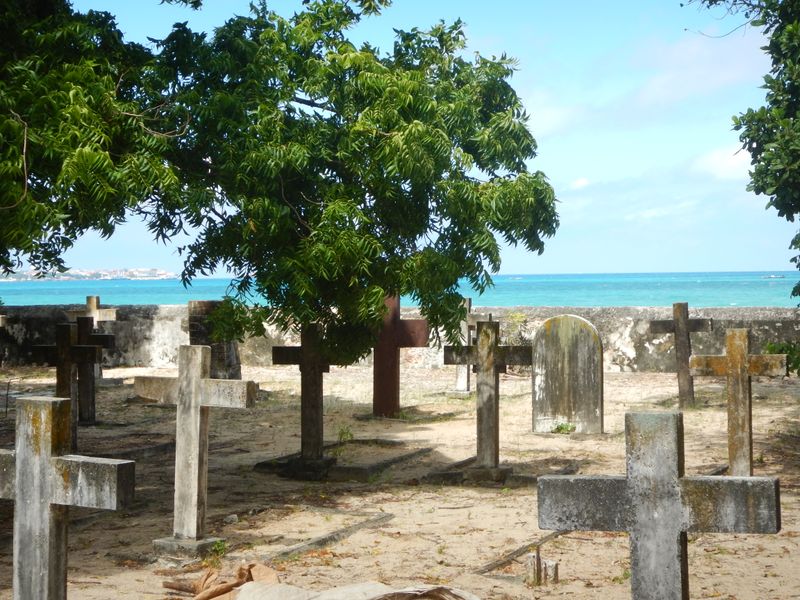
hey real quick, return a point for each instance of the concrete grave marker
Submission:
(312, 369)
(87, 336)
(194, 392)
(44, 481)
(73, 360)
(738, 365)
(92, 309)
(681, 326)
(567, 375)
(99, 315)
(490, 359)
(657, 505)
(225, 362)
(396, 333)
(468, 334)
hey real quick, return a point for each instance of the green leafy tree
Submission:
(327, 176)
(771, 133)
(79, 142)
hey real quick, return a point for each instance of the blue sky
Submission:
(631, 105)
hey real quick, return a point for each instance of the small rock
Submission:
(231, 519)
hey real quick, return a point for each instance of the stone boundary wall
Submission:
(149, 335)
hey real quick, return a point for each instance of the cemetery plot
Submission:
(432, 534)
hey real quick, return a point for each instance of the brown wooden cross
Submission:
(681, 326)
(87, 335)
(489, 359)
(312, 368)
(396, 333)
(738, 365)
(69, 358)
(225, 362)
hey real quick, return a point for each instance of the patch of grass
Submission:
(563, 428)
(213, 559)
(626, 574)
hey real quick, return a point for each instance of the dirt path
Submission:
(420, 532)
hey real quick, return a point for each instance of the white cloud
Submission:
(549, 115)
(661, 212)
(697, 65)
(729, 163)
(579, 183)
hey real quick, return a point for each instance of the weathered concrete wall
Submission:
(149, 335)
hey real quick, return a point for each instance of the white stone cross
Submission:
(656, 504)
(44, 482)
(93, 310)
(194, 392)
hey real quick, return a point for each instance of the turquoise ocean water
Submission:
(629, 289)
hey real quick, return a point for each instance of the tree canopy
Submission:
(771, 133)
(76, 147)
(327, 176)
(323, 175)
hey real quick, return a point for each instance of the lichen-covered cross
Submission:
(657, 505)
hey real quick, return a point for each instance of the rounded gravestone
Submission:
(567, 376)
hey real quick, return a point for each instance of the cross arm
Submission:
(708, 365)
(104, 340)
(286, 355)
(772, 365)
(8, 470)
(92, 482)
(692, 325)
(464, 355)
(583, 502)
(163, 390)
(228, 393)
(513, 355)
(732, 504)
(503, 355)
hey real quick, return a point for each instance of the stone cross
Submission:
(657, 505)
(99, 315)
(225, 363)
(567, 375)
(45, 481)
(468, 329)
(194, 392)
(738, 365)
(312, 368)
(681, 326)
(92, 309)
(490, 359)
(87, 336)
(72, 359)
(396, 333)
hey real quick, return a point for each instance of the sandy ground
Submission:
(428, 533)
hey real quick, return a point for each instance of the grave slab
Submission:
(396, 333)
(567, 375)
(738, 366)
(657, 505)
(44, 482)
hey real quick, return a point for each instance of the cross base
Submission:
(483, 474)
(299, 468)
(185, 547)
